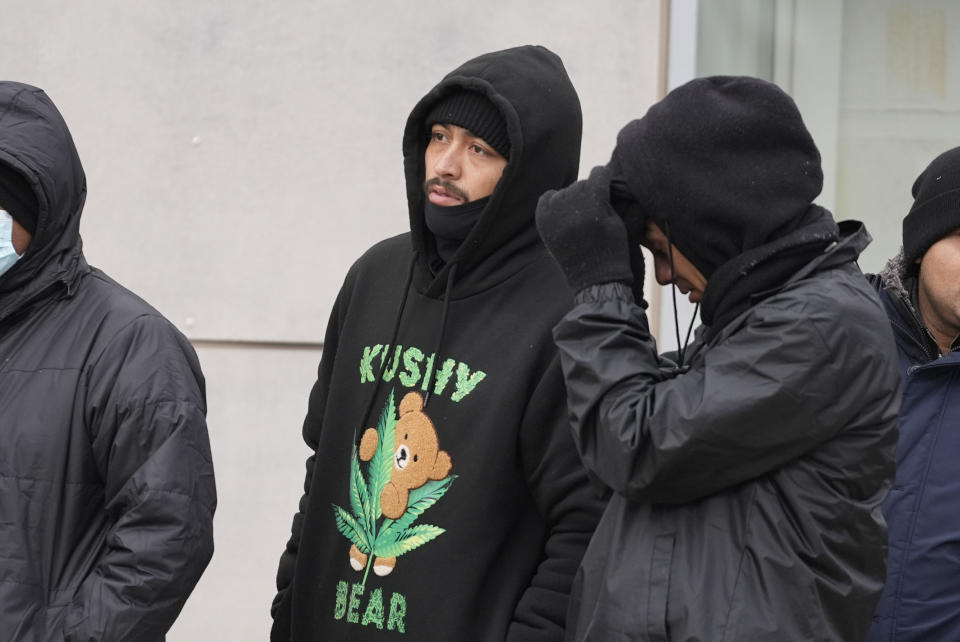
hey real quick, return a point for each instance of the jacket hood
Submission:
(35, 141)
(530, 87)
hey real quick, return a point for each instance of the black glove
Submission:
(584, 234)
(635, 220)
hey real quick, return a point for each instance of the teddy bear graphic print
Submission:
(406, 474)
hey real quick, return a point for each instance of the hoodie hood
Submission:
(540, 107)
(727, 169)
(36, 143)
(726, 162)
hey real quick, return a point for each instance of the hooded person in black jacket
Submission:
(749, 470)
(444, 499)
(106, 483)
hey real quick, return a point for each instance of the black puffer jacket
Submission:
(748, 487)
(106, 483)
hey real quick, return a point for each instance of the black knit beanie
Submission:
(17, 197)
(936, 206)
(474, 111)
(726, 162)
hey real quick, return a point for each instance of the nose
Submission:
(447, 163)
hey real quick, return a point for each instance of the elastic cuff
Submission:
(613, 291)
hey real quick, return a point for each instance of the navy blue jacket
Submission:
(921, 599)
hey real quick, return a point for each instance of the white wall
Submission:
(240, 155)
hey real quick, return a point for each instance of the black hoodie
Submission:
(461, 362)
(106, 482)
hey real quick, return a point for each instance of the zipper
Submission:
(918, 327)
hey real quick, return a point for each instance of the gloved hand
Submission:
(635, 220)
(584, 234)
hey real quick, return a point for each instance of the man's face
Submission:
(21, 237)
(939, 286)
(460, 166)
(687, 277)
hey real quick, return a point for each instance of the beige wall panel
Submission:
(256, 400)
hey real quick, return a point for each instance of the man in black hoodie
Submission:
(106, 482)
(444, 499)
(749, 470)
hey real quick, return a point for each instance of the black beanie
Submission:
(474, 111)
(726, 162)
(17, 197)
(936, 206)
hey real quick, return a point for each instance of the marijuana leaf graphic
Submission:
(359, 525)
(354, 531)
(411, 539)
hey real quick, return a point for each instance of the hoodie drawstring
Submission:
(443, 328)
(681, 349)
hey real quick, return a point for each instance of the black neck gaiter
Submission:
(450, 226)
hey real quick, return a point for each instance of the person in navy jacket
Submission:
(920, 289)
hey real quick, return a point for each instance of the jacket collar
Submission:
(852, 238)
(899, 294)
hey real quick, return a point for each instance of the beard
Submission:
(447, 186)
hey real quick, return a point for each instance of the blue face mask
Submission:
(8, 255)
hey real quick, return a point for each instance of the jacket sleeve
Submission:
(759, 398)
(145, 412)
(312, 425)
(568, 501)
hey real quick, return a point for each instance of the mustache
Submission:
(446, 186)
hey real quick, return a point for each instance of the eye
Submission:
(404, 437)
(479, 149)
(438, 135)
(415, 458)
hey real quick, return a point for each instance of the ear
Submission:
(411, 402)
(442, 466)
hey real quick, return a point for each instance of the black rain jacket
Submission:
(106, 482)
(748, 484)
